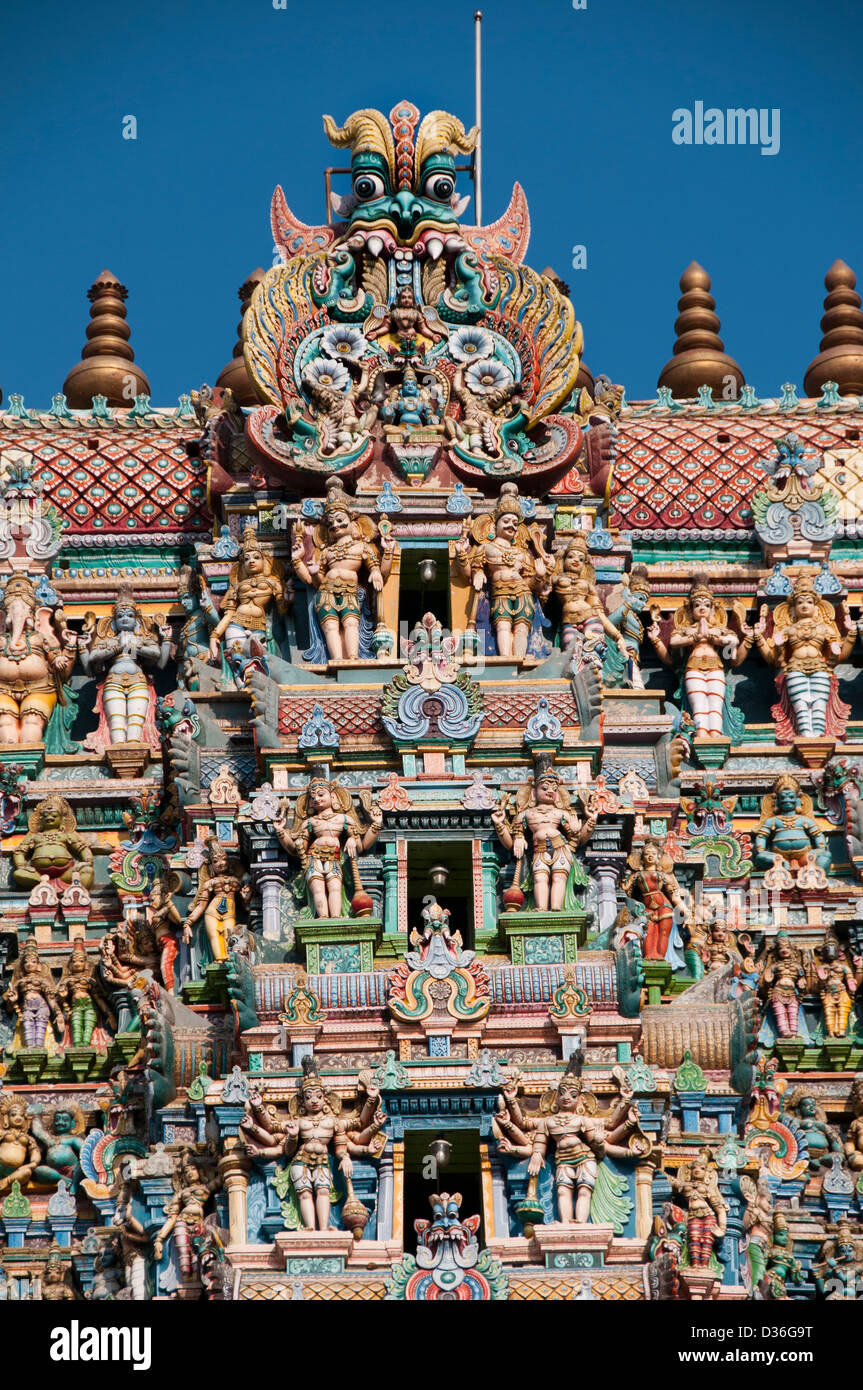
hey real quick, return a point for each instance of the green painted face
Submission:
(400, 217)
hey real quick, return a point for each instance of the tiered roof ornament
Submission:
(107, 367)
(234, 376)
(840, 359)
(699, 357)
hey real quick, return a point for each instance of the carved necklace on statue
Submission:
(14, 655)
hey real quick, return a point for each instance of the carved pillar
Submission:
(498, 1185)
(235, 1167)
(489, 1216)
(390, 867)
(643, 1200)
(490, 866)
(269, 884)
(385, 1196)
(606, 869)
(398, 1229)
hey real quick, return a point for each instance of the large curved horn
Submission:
(440, 131)
(364, 130)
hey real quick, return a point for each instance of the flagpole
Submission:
(477, 154)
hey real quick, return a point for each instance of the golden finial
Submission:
(234, 376)
(107, 367)
(699, 357)
(841, 356)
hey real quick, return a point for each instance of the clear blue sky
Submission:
(228, 96)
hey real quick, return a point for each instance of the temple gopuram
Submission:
(431, 790)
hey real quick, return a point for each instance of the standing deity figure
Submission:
(55, 1280)
(839, 1264)
(343, 549)
(626, 603)
(82, 998)
(782, 982)
(787, 835)
(185, 1217)
(315, 1126)
(244, 629)
(131, 1235)
(52, 848)
(219, 888)
(201, 618)
(702, 639)
(510, 559)
(582, 1136)
(837, 980)
(32, 995)
(582, 615)
(166, 924)
(124, 645)
(543, 813)
(20, 1154)
(806, 645)
(696, 1183)
(37, 653)
(651, 881)
(325, 825)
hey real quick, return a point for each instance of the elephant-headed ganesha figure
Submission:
(37, 653)
(401, 337)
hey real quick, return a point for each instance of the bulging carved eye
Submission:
(368, 186)
(440, 187)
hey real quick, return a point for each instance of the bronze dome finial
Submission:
(107, 367)
(699, 357)
(840, 358)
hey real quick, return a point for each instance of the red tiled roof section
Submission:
(111, 483)
(700, 473)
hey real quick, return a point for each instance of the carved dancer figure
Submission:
(52, 847)
(219, 888)
(255, 588)
(651, 880)
(696, 1183)
(509, 558)
(166, 924)
(185, 1214)
(325, 825)
(702, 638)
(343, 548)
(806, 645)
(124, 644)
(544, 813)
(582, 1136)
(32, 995)
(37, 653)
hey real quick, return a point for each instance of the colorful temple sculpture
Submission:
(431, 791)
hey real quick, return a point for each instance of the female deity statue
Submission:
(37, 653)
(32, 995)
(52, 848)
(651, 881)
(123, 645)
(245, 626)
(782, 982)
(582, 613)
(706, 1211)
(219, 888)
(201, 618)
(837, 983)
(82, 997)
(703, 641)
(166, 924)
(806, 645)
(626, 603)
(510, 559)
(325, 825)
(343, 548)
(544, 813)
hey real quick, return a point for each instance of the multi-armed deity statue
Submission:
(509, 558)
(544, 814)
(37, 653)
(53, 848)
(256, 591)
(123, 645)
(806, 644)
(702, 639)
(325, 826)
(331, 558)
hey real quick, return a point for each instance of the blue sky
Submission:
(578, 106)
